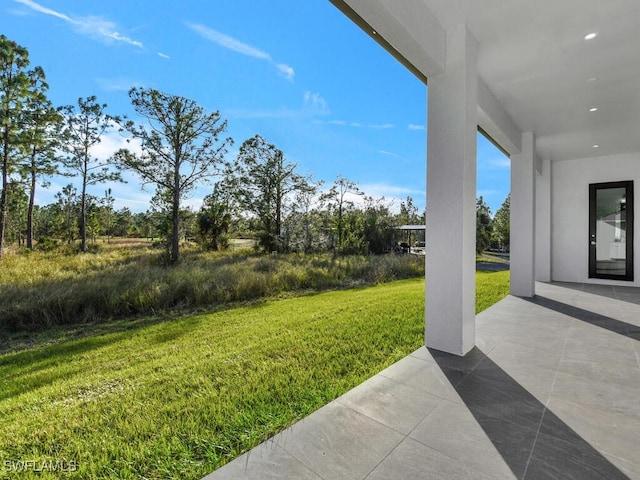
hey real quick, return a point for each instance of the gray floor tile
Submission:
(537, 381)
(547, 340)
(606, 396)
(509, 353)
(393, 404)
(423, 354)
(554, 458)
(631, 470)
(610, 433)
(267, 461)
(339, 443)
(609, 349)
(612, 371)
(414, 461)
(489, 391)
(422, 375)
(492, 446)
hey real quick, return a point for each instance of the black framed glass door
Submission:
(611, 230)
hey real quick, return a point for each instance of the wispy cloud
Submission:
(390, 191)
(242, 48)
(389, 154)
(315, 102)
(118, 84)
(503, 162)
(163, 55)
(313, 105)
(343, 123)
(92, 26)
(413, 126)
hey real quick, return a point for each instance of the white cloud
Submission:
(314, 101)
(393, 195)
(94, 27)
(390, 154)
(112, 141)
(163, 55)
(381, 126)
(342, 123)
(235, 45)
(118, 84)
(312, 105)
(390, 191)
(286, 71)
(413, 126)
(228, 42)
(503, 162)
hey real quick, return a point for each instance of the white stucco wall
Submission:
(570, 213)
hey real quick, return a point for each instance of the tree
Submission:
(82, 131)
(214, 221)
(300, 232)
(409, 213)
(262, 180)
(378, 232)
(180, 148)
(16, 212)
(68, 209)
(40, 127)
(14, 89)
(483, 225)
(338, 201)
(502, 224)
(107, 212)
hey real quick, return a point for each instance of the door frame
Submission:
(629, 260)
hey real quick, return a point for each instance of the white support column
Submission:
(523, 201)
(543, 222)
(451, 198)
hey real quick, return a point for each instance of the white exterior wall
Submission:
(570, 213)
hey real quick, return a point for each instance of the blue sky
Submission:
(299, 73)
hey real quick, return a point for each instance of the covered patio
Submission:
(546, 383)
(550, 391)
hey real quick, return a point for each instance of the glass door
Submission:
(611, 230)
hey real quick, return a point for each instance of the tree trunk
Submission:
(83, 210)
(5, 181)
(175, 217)
(32, 196)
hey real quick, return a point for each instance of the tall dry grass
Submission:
(44, 289)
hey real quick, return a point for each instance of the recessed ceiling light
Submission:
(590, 36)
(596, 146)
(593, 109)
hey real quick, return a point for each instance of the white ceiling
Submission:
(533, 56)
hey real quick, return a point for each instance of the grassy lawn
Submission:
(179, 398)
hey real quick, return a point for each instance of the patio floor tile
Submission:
(393, 404)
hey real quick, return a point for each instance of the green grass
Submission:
(179, 398)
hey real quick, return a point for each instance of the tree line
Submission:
(175, 147)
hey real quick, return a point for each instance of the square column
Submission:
(523, 203)
(451, 198)
(543, 222)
